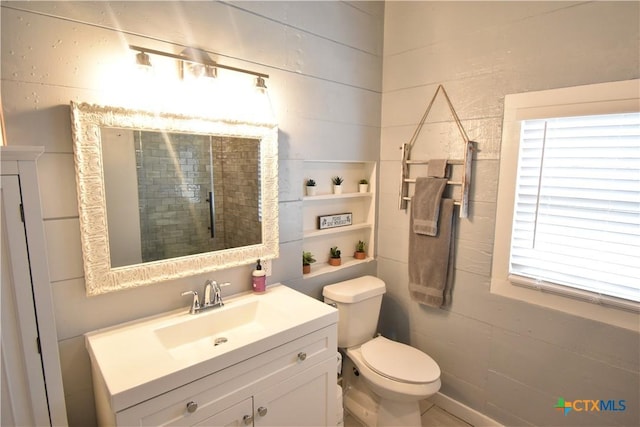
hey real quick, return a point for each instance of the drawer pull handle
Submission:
(262, 411)
(247, 420)
(302, 356)
(191, 407)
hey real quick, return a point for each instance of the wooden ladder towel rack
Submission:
(465, 162)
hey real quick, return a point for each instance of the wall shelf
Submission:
(309, 234)
(362, 206)
(321, 197)
(318, 269)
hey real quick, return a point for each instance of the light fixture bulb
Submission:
(210, 71)
(199, 63)
(142, 59)
(197, 69)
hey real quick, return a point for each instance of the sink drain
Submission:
(219, 341)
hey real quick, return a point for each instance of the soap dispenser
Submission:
(259, 279)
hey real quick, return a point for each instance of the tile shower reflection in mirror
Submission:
(192, 194)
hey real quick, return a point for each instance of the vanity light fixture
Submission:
(260, 83)
(142, 59)
(197, 69)
(198, 62)
(210, 71)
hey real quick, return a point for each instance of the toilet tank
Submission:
(358, 302)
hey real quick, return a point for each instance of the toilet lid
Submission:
(399, 361)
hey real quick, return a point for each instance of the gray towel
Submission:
(437, 168)
(431, 261)
(425, 205)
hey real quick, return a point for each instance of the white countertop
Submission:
(136, 366)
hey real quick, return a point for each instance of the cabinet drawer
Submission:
(221, 390)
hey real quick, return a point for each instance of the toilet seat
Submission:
(399, 362)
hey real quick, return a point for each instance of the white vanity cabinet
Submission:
(278, 384)
(288, 379)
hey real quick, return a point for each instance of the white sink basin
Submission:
(237, 323)
(140, 359)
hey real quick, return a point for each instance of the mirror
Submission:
(175, 194)
(163, 196)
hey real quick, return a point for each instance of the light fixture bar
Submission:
(203, 61)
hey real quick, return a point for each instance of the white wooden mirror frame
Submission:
(100, 277)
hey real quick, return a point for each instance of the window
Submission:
(568, 219)
(577, 211)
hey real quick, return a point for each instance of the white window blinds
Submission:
(577, 212)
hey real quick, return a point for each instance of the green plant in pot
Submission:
(311, 187)
(360, 252)
(334, 256)
(307, 260)
(337, 184)
(363, 185)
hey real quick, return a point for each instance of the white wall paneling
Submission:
(325, 65)
(517, 358)
(336, 97)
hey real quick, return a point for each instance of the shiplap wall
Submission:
(507, 359)
(325, 63)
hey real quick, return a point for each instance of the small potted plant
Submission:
(363, 185)
(334, 257)
(360, 251)
(337, 184)
(311, 187)
(307, 260)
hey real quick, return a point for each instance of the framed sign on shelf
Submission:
(334, 220)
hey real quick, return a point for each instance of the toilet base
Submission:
(361, 406)
(384, 413)
(372, 410)
(392, 413)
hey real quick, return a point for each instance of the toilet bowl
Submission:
(398, 378)
(396, 371)
(388, 378)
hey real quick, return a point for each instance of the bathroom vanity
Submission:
(260, 360)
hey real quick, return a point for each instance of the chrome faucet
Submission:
(195, 305)
(212, 297)
(208, 287)
(217, 295)
(211, 286)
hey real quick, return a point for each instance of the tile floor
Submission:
(432, 416)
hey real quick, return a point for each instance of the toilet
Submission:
(383, 380)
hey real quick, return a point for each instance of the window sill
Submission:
(610, 315)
